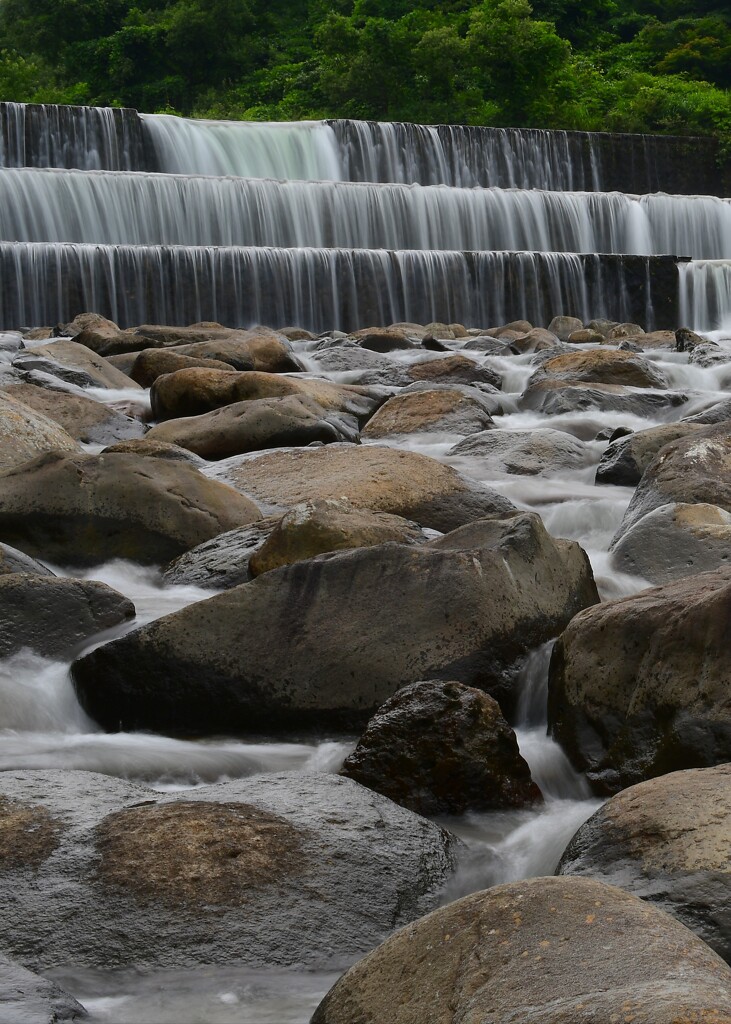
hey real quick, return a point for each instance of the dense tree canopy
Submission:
(626, 65)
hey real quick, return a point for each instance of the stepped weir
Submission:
(345, 224)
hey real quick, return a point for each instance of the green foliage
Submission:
(625, 65)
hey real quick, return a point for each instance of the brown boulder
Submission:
(597, 366)
(81, 417)
(74, 362)
(445, 410)
(152, 363)
(25, 434)
(453, 369)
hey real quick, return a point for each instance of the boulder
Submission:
(54, 616)
(254, 425)
(12, 561)
(708, 355)
(558, 400)
(271, 871)
(85, 322)
(151, 448)
(313, 528)
(586, 336)
(626, 459)
(220, 563)
(346, 356)
(716, 413)
(686, 340)
(86, 509)
(196, 391)
(152, 363)
(689, 470)
(564, 326)
(442, 748)
(488, 346)
(295, 334)
(620, 331)
(25, 434)
(674, 541)
(539, 951)
(25, 998)
(73, 362)
(445, 410)
(657, 340)
(597, 366)
(81, 417)
(385, 339)
(323, 643)
(454, 369)
(525, 452)
(536, 340)
(639, 687)
(666, 841)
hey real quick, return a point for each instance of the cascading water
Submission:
(705, 295)
(147, 209)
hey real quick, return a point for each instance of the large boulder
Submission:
(597, 366)
(443, 410)
(540, 951)
(86, 509)
(325, 642)
(220, 563)
(673, 541)
(152, 363)
(195, 391)
(564, 326)
(53, 616)
(81, 417)
(689, 470)
(639, 687)
(666, 841)
(274, 870)
(318, 526)
(627, 458)
(525, 452)
(557, 399)
(453, 369)
(378, 478)
(25, 434)
(75, 363)
(442, 748)
(25, 998)
(252, 426)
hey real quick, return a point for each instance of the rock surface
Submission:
(666, 841)
(626, 459)
(81, 417)
(640, 686)
(524, 452)
(152, 363)
(25, 434)
(73, 362)
(369, 476)
(223, 562)
(442, 748)
(542, 951)
(86, 509)
(273, 870)
(13, 561)
(327, 641)
(597, 366)
(440, 411)
(27, 999)
(53, 616)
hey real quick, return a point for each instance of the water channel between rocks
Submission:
(42, 725)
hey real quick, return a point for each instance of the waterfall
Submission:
(705, 295)
(146, 209)
(318, 289)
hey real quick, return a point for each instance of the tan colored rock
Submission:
(540, 951)
(439, 411)
(25, 434)
(81, 417)
(385, 339)
(454, 369)
(152, 448)
(77, 358)
(312, 528)
(152, 363)
(586, 336)
(597, 366)
(666, 841)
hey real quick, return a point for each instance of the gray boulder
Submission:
(27, 999)
(525, 452)
(666, 841)
(564, 326)
(273, 870)
(222, 562)
(626, 459)
(12, 561)
(74, 363)
(541, 951)
(325, 642)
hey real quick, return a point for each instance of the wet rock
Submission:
(196, 391)
(586, 336)
(717, 413)
(489, 346)
(384, 339)
(666, 841)
(524, 452)
(564, 326)
(220, 563)
(12, 561)
(25, 434)
(275, 870)
(515, 326)
(690, 470)
(597, 366)
(86, 509)
(433, 344)
(27, 999)
(366, 622)
(657, 340)
(295, 334)
(444, 331)
(345, 356)
(151, 448)
(53, 616)
(255, 425)
(81, 417)
(442, 748)
(85, 322)
(675, 541)
(454, 369)
(152, 363)
(629, 346)
(639, 687)
(555, 401)
(313, 528)
(627, 458)
(73, 362)
(708, 355)
(603, 326)
(445, 410)
(627, 330)
(540, 951)
(377, 478)
(536, 340)
(686, 340)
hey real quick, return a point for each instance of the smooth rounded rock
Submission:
(597, 366)
(541, 951)
(626, 459)
(64, 355)
(26, 998)
(152, 363)
(81, 417)
(12, 561)
(666, 841)
(26, 434)
(439, 411)
(524, 452)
